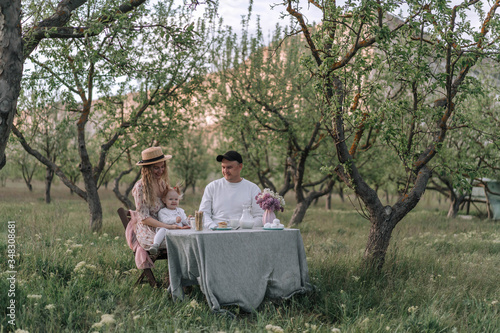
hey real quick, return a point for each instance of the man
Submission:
(224, 198)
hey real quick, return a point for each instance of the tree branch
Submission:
(53, 26)
(48, 163)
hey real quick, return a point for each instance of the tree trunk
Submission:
(341, 194)
(11, 68)
(328, 202)
(379, 239)
(384, 219)
(28, 176)
(93, 199)
(124, 197)
(49, 176)
(303, 202)
(299, 212)
(456, 201)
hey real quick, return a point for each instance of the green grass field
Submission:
(440, 275)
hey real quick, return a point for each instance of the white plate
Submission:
(217, 228)
(274, 228)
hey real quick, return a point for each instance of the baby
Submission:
(172, 214)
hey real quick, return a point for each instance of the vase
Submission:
(268, 216)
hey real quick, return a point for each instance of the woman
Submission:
(148, 192)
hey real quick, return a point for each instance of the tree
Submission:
(268, 111)
(471, 151)
(430, 54)
(160, 59)
(46, 128)
(190, 158)
(28, 168)
(16, 47)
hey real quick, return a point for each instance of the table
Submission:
(237, 267)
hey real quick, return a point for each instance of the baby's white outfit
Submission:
(169, 216)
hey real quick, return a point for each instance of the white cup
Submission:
(234, 222)
(192, 222)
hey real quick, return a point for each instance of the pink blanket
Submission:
(142, 259)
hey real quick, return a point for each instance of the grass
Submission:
(440, 275)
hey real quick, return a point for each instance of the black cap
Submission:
(230, 156)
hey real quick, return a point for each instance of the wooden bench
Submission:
(162, 255)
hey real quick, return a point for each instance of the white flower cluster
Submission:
(34, 296)
(413, 309)
(194, 304)
(275, 195)
(82, 267)
(106, 319)
(274, 329)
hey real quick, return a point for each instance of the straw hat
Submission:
(153, 155)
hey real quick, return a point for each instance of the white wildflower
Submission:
(117, 237)
(97, 325)
(335, 330)
(274, 329)
(50, 306)
(108, 319)
(413, 309)
(355, 278)
(194, 304)
(20, 331)
(79, 267)
(136, 317)
(34, 296)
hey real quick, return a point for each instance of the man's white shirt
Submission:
(223, 201)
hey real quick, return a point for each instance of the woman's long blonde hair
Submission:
(148, 180)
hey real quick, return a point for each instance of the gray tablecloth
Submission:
(238, 266)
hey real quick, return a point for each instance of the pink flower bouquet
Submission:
(268, 200)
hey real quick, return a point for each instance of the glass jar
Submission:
(246, 220)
